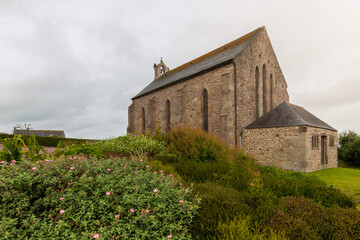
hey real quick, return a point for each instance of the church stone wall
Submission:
(257, 54)
(282, 147)
(186, 104)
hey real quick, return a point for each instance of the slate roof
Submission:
(40, 133)
(287, 114)
(215, 58)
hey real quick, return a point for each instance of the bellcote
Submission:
(160, 69)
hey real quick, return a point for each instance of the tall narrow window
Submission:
(265, 89)
(168, 115)
(143, 121)
(271, 91)
(205, 111)
(259, 93)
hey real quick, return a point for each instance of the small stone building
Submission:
(221, 92)
(291, 138)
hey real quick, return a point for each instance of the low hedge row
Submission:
(52, 141)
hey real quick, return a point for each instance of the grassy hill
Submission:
(345, 179)
(164, 176)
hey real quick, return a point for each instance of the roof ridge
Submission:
(213, 52)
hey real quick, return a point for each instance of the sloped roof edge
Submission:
(205, 62)
(286, 115)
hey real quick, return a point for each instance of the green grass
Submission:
(345, 179)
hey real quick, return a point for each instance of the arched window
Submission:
(265, 90)
(143, 121)
(259, 93)
(205, 111)
(271, 91)
(167, 115)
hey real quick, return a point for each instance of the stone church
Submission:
(238, 93)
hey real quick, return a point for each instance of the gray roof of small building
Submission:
(211, 60)
(287, 114)
(40, 133)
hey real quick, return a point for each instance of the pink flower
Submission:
(13, 161)
(47, 160)
(141, 160)
(171, 175)
(61, 198)
(135, 222)
(37, 161)
(2, 162)
(136, 172)
(155, 172)
(62, 211)
(96, 235)
(74, 157)
(94, 162)
(117, 216)
(34, 168)
(181, 201)
(109, 169)
(155, 190)
(108, 193)
(132, 210)
(71, 168)
(161, 171)
(169, 236)
(186, 190)
(11, 164)
(147, 153)
(147, 166)
(69, 183)
(70, 158)
(147, 211)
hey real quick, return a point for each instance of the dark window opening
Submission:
(168, 115)
(205, 111)
(143, 121)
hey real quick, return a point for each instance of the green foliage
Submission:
(34, 151)
(285, 183)
(12, 148)
(78, 198)
(232, 185)
(349, 148)
(86, 150)
(130, 145)
(303, 218)
(240, 228)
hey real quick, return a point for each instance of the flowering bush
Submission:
(130, 145)
(83, 199)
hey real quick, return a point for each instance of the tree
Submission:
(349, 147)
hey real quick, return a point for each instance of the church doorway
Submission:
(324, 155)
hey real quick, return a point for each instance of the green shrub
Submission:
(78, 198)
(316, 221)
(34, 151)
(286, 183)
(12, 148)
(240, 228)
(130, 145)
(72, 150)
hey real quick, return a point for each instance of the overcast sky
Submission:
(74, 65)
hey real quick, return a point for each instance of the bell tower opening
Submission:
(160, 69)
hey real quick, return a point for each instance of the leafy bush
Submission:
(349, 148)
(130, 145)
(12, 148)
(34, 151)
(303, 218)
(286, 183)
(87, 150)
(80, 198)
(232, 185)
